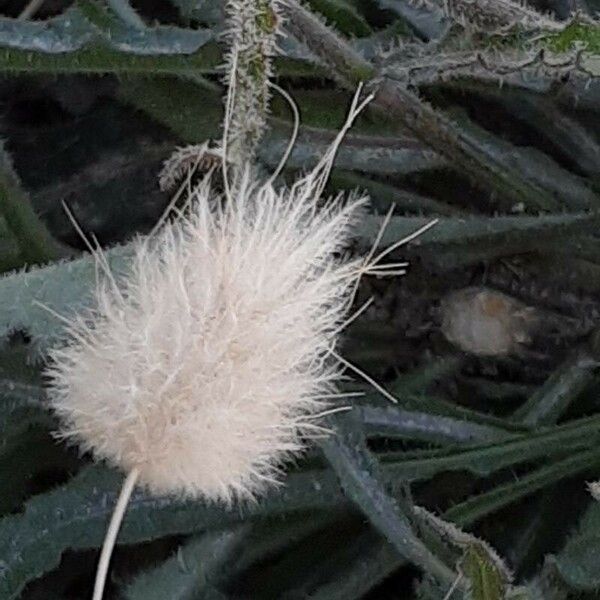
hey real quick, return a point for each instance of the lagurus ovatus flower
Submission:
(205, 367)
(209, 363)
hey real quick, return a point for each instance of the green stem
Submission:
(382, 195)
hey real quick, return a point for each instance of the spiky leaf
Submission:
(76, 515)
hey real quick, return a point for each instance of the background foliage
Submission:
(486, 116)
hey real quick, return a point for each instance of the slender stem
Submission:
(112, 532)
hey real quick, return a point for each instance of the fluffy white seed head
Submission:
(207, 366)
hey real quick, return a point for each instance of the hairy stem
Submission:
(252, 27)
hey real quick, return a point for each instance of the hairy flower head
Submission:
(208, 364)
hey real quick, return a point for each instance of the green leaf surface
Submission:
(427, 21)
(485, 579)
(486, 459)
(191, 574)
(363, 483)
(32, 453)
(394, 422)
(550, 401)
(477, 507)
(487, 576)
(351, 571)
(16, 420)
(576, 34)
(36, 245)
(34, 301)
(578, 563)
(75, 516)
(89, 24)
(453, 242)
(215, 559)
(343, 16)
(434, 405)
